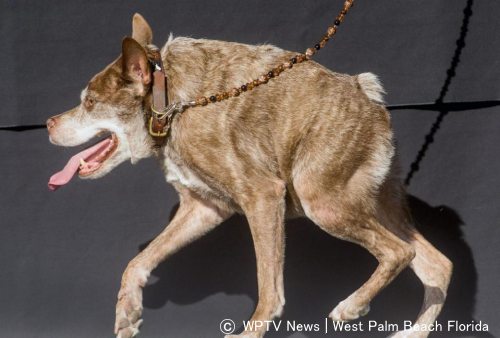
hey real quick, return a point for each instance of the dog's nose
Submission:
(51, 123)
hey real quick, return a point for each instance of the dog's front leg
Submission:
(194, 218)
(265, 212)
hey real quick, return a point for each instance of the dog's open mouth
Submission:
(103, 151)
(85, 162)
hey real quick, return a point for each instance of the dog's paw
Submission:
(346, 310)
(403, 334)
(128, 314)
(129, 331)
(411, 333)
(244, 335)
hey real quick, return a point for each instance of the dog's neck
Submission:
(185, 76)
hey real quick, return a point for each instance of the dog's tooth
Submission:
(83, 164)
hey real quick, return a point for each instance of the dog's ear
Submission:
(141, 31)
(135, 62)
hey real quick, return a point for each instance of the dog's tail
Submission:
(371, 86)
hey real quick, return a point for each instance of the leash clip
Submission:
(167, 114)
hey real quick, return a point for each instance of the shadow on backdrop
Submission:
(439, 106)
(320, 271)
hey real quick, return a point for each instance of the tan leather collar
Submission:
(158, 121)
(162, 113)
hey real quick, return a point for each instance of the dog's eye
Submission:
(89, 102)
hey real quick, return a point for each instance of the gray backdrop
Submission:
(62, 254)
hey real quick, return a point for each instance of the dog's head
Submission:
(112, 105)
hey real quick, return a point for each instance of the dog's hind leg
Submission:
(392, 253)
(434, 270)
(265, 210)
(194, 218)
(345, 218)
(430, 265)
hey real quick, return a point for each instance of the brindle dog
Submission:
(310, 143)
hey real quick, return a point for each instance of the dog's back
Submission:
(278, 129)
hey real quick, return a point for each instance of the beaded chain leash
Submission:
(299, 58)
(177, 107)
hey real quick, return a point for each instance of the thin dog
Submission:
(310, 143)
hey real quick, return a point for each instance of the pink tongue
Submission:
(65, 175)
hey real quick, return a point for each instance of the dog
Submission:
(310, 143)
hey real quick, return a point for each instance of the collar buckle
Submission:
(161, 120)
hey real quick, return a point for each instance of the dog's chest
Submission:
(179, 173)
